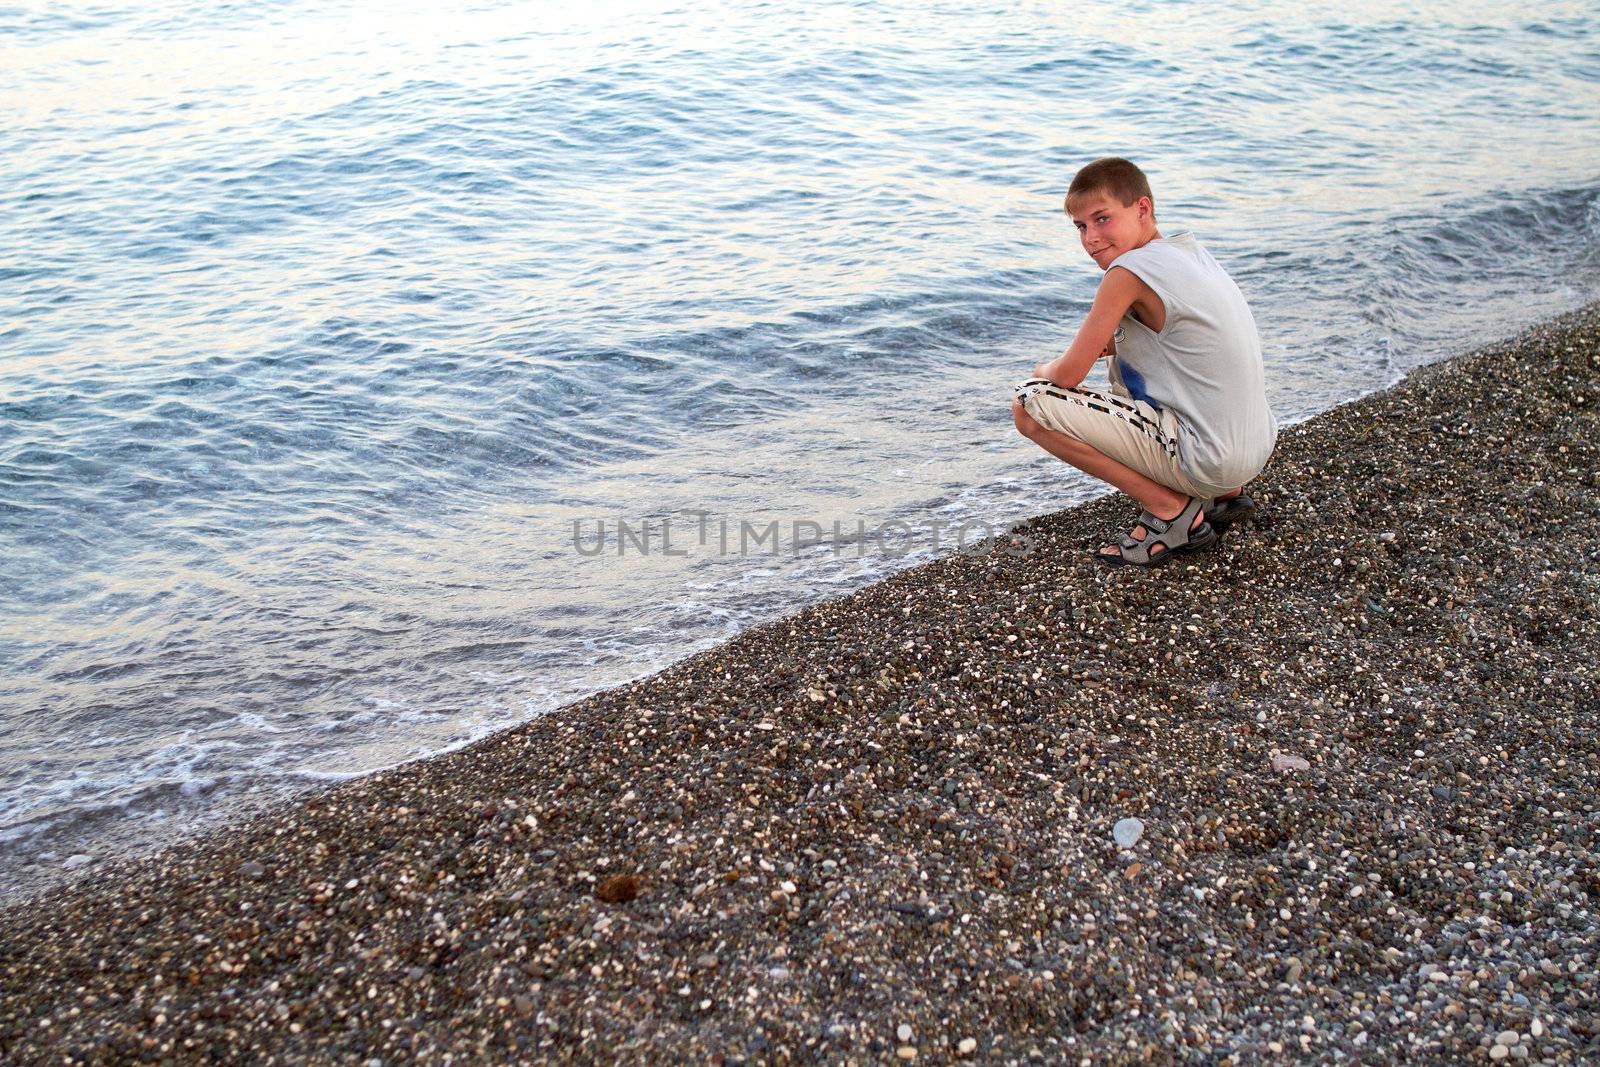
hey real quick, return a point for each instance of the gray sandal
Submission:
(1173, 535)
(1235, 511)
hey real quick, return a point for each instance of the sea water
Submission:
(373, 377)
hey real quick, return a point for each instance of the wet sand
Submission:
(1360, 737)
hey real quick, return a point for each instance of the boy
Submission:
(1186, 423)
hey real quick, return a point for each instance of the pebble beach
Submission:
(1326, 793)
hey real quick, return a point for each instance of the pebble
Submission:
(619, 889)
(967, 1046)
(1127, 832)
(75, 861)
(903, 1032)
(906, 1052)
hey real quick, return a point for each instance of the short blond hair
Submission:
(1113, 176)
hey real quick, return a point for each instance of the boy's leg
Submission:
(1159, 500)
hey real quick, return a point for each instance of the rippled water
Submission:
(321, 325)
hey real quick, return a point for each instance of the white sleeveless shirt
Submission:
(1204, 365)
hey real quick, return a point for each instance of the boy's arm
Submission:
(1118, 290)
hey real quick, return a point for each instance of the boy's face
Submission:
(1107, 227)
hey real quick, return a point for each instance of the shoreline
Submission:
(896, 808)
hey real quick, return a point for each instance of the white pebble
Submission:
(903, 1032)
(74, 862)
(1127, 832)
(968, 1046)
(1536, 1028)
(1499, 1052)
(1508, 1037)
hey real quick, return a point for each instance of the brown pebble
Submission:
(619, 888)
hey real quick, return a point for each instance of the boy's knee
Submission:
(1026, 425)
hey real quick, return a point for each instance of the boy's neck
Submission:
(1149, 234)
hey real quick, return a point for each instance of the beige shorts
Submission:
(1115, 424)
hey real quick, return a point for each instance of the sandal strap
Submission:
(1170, 534)
(1138, 551)
(1154, 522)
(1185, 521)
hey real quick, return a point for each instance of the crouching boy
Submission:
(1186, 423)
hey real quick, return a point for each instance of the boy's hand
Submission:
(1044, 370)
